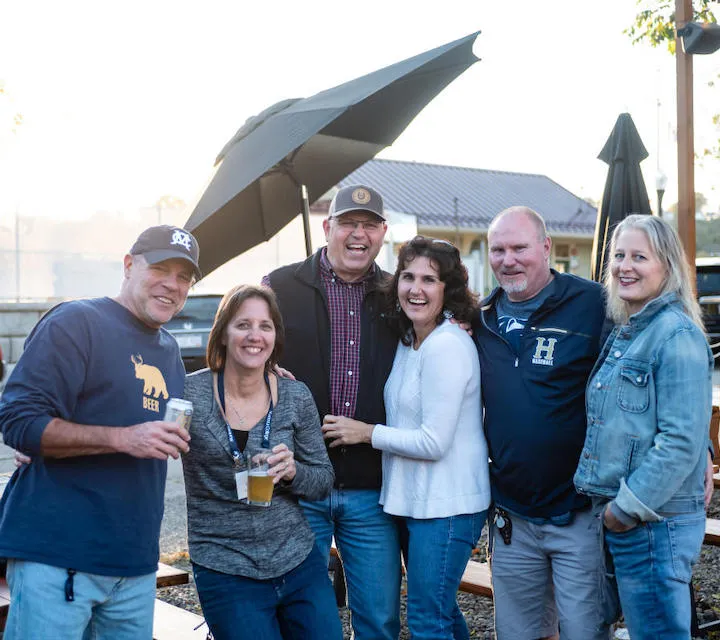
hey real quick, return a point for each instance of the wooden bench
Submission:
(712, 532)
(475, 578)
(715, 440)
(166, 576)
(174, 623)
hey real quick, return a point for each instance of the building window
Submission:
(562, 258)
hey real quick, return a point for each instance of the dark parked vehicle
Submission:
(708, 291)
(191, 328)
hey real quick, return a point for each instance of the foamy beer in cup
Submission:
(260, 484)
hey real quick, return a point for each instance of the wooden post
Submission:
(685, 136)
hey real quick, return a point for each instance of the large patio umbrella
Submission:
(625, 191)
(296, 150)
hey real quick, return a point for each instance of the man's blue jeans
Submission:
(295, 606)
(367, 540)
(104, 608)
(653, 567)
(436, 553)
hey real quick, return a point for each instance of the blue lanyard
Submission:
(234, 449)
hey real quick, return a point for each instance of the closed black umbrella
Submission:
(625, 191)
(311, 144)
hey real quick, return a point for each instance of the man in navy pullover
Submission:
(538, 338)
(80, 523)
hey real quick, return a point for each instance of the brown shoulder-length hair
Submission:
(458, 300)
(229, 306)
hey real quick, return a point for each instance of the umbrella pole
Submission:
(306, 219)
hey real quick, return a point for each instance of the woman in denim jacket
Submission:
(648, 405)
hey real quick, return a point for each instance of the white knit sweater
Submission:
(435, 459)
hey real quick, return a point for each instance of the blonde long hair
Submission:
(666, 246)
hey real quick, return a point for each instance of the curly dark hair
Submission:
(457, 298)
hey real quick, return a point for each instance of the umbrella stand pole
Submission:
(306, 219)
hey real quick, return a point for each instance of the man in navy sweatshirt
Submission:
(538, 338)
(80, 523)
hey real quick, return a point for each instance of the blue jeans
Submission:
(653, 567)
(297, 605)
(436, 552)
(104, 608)
(367, 540)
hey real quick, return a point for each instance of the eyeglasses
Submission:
(348, 224)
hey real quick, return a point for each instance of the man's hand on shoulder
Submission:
(283, 373)
(156, 439)
(465, 326)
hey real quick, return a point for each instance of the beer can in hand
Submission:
(180, 411)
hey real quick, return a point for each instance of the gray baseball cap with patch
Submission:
(357, 197)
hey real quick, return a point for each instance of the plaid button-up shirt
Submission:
(345, 301)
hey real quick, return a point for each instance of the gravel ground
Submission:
(477, 610)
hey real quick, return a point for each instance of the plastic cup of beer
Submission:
(260, 484)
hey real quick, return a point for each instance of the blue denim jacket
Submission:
(648, 402)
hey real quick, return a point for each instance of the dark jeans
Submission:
(297, 605)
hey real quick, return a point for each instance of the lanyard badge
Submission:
(241, 472)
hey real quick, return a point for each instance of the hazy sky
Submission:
(125, 102)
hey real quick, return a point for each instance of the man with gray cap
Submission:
(80, 522)
(338, 344)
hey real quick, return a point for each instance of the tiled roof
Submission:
(428, 191)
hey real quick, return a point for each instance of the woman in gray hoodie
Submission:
(257, 570)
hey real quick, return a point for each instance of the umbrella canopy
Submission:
(625, 191)
(312, 142)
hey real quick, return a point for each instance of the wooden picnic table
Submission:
(173, 623)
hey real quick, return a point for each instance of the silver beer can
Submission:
(180, 411)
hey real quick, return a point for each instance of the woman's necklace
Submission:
(240, 418)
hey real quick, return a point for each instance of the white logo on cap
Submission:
(178, 237)
(361, 196)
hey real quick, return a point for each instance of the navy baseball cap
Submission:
(165, 242)
(357, 197)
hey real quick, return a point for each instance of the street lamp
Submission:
(691, 38)
(700, 38)
(660, 184)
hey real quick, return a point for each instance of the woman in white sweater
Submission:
(435, 460)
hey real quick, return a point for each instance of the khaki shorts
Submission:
(549, 576)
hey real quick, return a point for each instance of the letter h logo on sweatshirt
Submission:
(544, 351)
